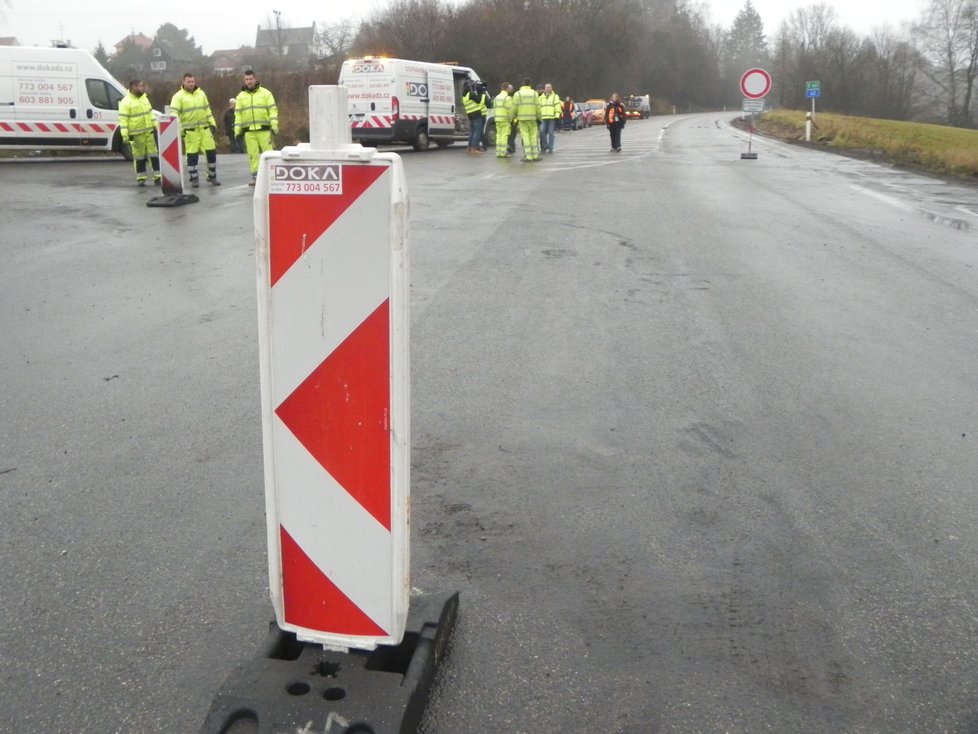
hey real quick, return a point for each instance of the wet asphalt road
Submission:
(694, 437)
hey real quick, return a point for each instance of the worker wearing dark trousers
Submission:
(614, 119)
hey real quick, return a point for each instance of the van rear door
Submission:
(369, 93)
(441, 102)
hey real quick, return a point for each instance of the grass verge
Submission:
(934, 148)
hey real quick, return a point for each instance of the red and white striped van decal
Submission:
(377, 122)
(372, 122)
(70, 128)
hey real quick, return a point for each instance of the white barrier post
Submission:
(331, 231)
(171, 165)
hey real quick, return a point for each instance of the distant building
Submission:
(228, 62)
(168, 61)
(134, 39)
(297, 44)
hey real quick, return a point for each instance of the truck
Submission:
(58, 99)
(638, 106)
(391, 101)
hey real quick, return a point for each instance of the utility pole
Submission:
(278, 33)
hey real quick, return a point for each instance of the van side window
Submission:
(103, 95)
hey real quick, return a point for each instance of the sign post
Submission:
(812, 91)
(754, 85)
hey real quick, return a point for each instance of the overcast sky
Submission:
(220, 25)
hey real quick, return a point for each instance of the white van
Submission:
(400, 101)
(57, 99)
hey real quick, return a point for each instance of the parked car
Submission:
(597, 109)
(585, 113)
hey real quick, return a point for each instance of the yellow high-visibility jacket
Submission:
(192, 108)
(525, 103)
(503, 105)
(549, 106)
(475, 104)
(255, 109)
(135, 115)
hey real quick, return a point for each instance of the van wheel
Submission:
(490, 135)
(121, 148)
(421, 140)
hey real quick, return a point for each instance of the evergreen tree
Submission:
(101, 55)
(745, 42)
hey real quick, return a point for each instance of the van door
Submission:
(101, 113)
(370, 100)
(459, 79)
(441, 103)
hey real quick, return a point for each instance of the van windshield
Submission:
(103, 95)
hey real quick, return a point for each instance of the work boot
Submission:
(157, 180)
(212, 180)
(194, 182)
(140, 181)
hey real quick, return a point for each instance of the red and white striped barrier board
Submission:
(171, 155)
(331, 229)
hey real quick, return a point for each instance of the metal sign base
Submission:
(295, 686)
(173, 200)
(748, 156)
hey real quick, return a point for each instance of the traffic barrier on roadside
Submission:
(171, 165)
(331, 229)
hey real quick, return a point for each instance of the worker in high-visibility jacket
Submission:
(502, 106)
(614, 120)
(137, 126)
(475, 100)
(526, 110)
(197, 126)
(256, 119)
(549, 114)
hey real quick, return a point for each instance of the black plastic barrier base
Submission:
(293, 686)
(173, 200)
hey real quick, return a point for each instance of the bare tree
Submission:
(800, 50)
(948, 34)
(412, 29)
(336, 39)
(893, 66)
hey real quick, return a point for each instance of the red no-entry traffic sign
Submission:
(755, 83)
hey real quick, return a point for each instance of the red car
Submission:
(584, 113)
